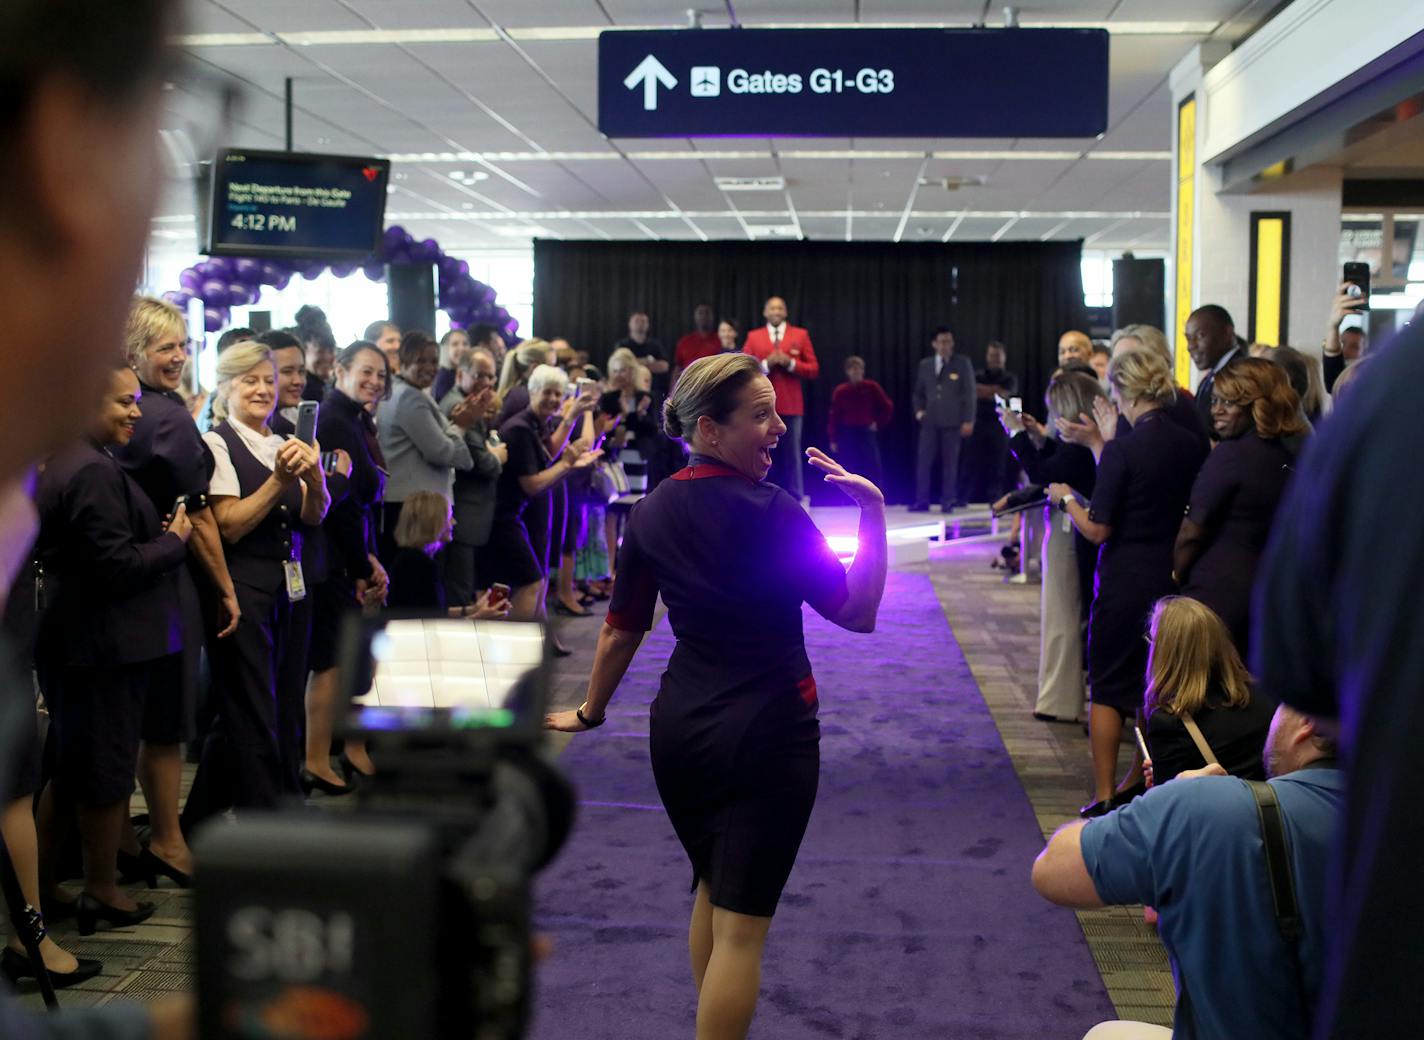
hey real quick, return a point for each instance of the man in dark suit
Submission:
(787, 357)
(944, 407)
(1212, 343)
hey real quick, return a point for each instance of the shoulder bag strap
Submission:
(1199, 739)
(1282, 877)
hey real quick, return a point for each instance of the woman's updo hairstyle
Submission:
(520, 361)
(313, 328)
(1263, 387)
(709, 386)
(1141, 374)
(237, 360)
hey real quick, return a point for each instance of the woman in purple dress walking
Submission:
(734, 738)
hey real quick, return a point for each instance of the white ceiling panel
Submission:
(521, 110)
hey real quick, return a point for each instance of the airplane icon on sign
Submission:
(706, 81)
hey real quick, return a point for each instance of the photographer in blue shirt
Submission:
(1193, 849)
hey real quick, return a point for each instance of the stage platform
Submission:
(910, 535)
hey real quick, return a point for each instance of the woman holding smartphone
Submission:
(264, 487)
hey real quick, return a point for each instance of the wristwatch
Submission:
(1063, 503)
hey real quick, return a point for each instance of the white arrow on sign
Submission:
(650, 72)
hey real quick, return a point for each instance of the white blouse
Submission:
(264, 449)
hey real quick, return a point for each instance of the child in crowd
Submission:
(426, 524)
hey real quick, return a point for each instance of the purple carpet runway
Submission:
(909, 914)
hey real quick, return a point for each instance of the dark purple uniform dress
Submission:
(1234, 500)
(1144, 481)
(734, 738)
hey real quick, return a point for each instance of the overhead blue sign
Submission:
(853, 83)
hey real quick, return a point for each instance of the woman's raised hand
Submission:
(564, 722)
(860, 491)
(1083, 430)
(291, 461)
(179, 523)
(1105, 415)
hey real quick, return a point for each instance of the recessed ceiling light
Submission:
(750, 183)
(954, 182)
(468, 176)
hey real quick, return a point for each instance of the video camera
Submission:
(407, 916)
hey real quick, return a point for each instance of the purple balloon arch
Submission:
(226, 282)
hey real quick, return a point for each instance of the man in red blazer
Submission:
(787, 357)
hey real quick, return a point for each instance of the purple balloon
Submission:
(449, 267)
(190, 279)
(374, 270)
(312, 271)
(282, 282)
(220, 267)
(427, 251)
(240, 294)
(395, 234)
(213, 292)
(511, 327)
(214, 318)
(270, 271)
(179, 299)
(398, 256)
(246, 269)
(343, 270)
(462, 267)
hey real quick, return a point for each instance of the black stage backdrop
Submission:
(876, 299)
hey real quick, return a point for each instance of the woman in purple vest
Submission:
(263, 486)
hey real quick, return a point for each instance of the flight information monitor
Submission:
(297, 205)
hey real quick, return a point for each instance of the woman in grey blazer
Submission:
(422, 448)
(475, 487)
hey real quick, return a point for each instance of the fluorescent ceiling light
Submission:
(233, 39)
(588, 33)
(724, 155)
(750, 183)
(775, 214)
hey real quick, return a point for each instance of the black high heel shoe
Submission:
(561, 608)
(17, 966)
(90, 912)
(1127, 794)
(350, 772)
(56, 910)
(311, 782)
(132, 869)
(153, 865)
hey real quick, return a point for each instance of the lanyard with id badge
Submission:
(292, 569)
